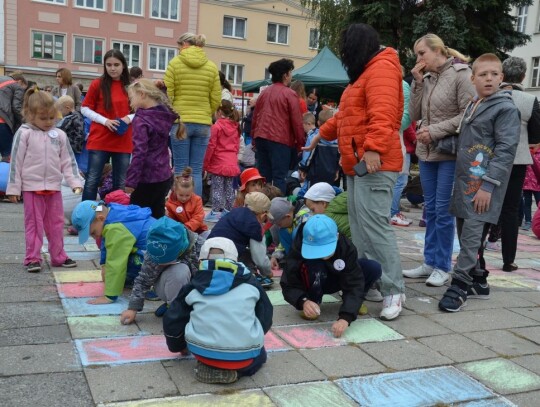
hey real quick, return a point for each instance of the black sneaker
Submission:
(478, 291)
(212, 375)
(69, 264)
(161, 310)
(33, 267)
(453, 299)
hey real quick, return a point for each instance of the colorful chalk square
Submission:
(503, 376)
(102, 326)
(117, 351)
(91, 247)
(250, 398)
(89, 276)
(370, 330)
(309, 336)
(83, 255)
(80, 289)
(273, 343)
(276, 298)
(428, 387)
(321, 394)
(75, 307)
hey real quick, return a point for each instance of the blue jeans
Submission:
(6, 140)
(190, 152)
(273, 161)
(400, 185)
(527, 203)
(437, 179)
(96, 161)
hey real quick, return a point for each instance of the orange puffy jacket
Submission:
(190, 213)
(369, 115)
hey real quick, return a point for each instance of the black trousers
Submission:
(152, 196)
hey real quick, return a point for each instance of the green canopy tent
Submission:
(324, 72)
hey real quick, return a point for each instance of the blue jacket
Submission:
(222, 314)
(240, 225)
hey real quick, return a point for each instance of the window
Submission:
(48, 46)
(234, 27)
(129, 7)
(132, 52)
(521, 22)
(94, 4)
(233, 73)
(277, 33)
(160, 57)
(52, 1)
(165, 9)
(535, 73)
(88, 50)
(267, 74)
(313, 38)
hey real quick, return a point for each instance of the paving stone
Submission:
(28, 314)
(503, 376)
(483, 320)
(29, 359)
(78, 276)
(28, 293)
(286, 368)
(130, 382)
(498, 299)
(80, 290)
(529, 399)
(532, 313)
(419, 285)
(416, 326)
(50, 389)
(532, 296)
(309, 395)
(423, 305)
(288, 315)
(343, 361)
(149, 324)
(100, 326)
(531, 362)
(532, 333)
(458, 347)
(182, 373)
(79, 307)
(493, 402)
(14, 275)
(35, 335)
(505, 343)
(403, 355)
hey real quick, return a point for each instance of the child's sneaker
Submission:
(399, 220)
(363, 310)
(33, 267)
(422, 223)
(161, 310)
(211, 375)
(264, 281)
(421, 271)
(213, 217)
(392, 306)
(151, 296)
(373, 295)
(478, 291)
(526, 226)
(493, 246)
(453, 299)
(69, 264)
(72, 230)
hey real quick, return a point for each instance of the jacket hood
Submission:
(127, 213)
(228, 125)
(159, 117)
(216, 277)
(389, 54)
(194, 57)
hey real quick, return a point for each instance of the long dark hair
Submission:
(106, 80)
(358, 44)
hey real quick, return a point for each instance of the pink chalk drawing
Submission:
(309, 336)
(80, 290)
(273, 343)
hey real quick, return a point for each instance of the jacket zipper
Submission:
(429, 110)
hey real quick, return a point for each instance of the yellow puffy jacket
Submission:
(193, 86)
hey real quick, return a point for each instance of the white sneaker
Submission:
(392, 306)
(399, 220)
(438, 278)
(374, 295)
(422, 271)
(493, 246)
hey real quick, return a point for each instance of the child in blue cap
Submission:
(322, 261)
(123, 230)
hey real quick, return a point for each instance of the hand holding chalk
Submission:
(127, 316)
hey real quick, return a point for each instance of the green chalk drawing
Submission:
(77, 276)
(100, 327)
(322, 394)
(503, 376)
(276, 298)
(370, 330)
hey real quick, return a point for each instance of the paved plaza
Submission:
(57, 350)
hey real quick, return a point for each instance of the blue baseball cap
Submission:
(82, 217)
(320, 237)
(166, 240)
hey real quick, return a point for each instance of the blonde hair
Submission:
(184, 180)
(486, 58)
(308, 118)
(148, 88)
(65, 101)
(198, 40)
(434, 43)
(325, 115)
(36, 100)
(298, 87)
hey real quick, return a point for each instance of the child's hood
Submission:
(216, 277)
(159, 117)
(228, 125)
(127, 213)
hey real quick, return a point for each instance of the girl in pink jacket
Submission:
(221, 159)
(41, 156)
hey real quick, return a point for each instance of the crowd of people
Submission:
(295, 185)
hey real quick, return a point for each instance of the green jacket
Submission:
(193, 86)
(337, 210)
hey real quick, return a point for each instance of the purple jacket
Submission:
(150, 161)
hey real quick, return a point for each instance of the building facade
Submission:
(528, 22)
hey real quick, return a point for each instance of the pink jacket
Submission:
(221, 156)
(39, 161)
(532, 183)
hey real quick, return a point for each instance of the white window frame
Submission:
(535, 72)
(226, 69)
(158, 49)
(317, 34)
(43, 33)
(278, 25)
(54, 2)
(94, 52)
(521, 22)
(123, 7)
(178, 10)
(129, 58)
(235, 19)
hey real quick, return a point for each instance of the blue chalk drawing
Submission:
(77, 307)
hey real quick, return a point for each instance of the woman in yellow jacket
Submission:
(194, 89)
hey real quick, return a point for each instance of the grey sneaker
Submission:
(422, 271)
(212, 375)
(373, 295)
